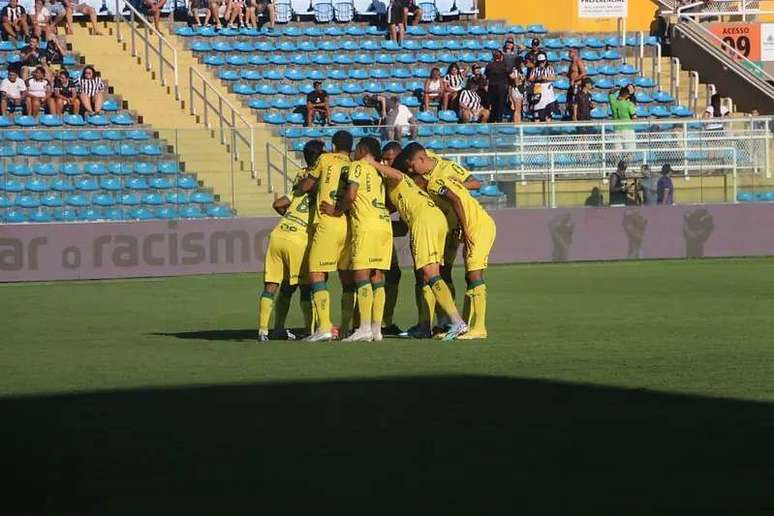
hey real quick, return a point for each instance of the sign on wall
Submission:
(745, 38)
(603, 8)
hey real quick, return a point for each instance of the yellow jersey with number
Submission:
(297, 221)
(368, 209)
(445, 169)
(412, 202)
(331, 172)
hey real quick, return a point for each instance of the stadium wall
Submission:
(42, 252)
(562, 15)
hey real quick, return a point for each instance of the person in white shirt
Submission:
(38, 91)
(41, 20)
(400, 121)
(12, 91)
(715, 110)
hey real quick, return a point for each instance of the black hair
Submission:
(392, 146)
(14, 68)
(408, 153)
(452, 65)
(624, 91)
(372, 146)
(715, 103)
(312, 151)
(342, 141)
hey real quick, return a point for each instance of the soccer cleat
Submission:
(473, 335)
(263, 336)
(456, 331)
(320, 336)
(376, 332)
(416, 332)
(391, 331)
(360, 335)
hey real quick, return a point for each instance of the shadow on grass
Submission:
(239, 335)
(475, 445)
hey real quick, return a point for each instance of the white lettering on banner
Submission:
(603, 8)
(767, 41)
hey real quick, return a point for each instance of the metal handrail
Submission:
(145, 34)
(283, 170)
(226, 120)
(737, 8)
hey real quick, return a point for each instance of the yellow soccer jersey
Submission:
(331, 171)
(298, 218)
(410, 200)
(474, 213)
(444, 168)
(369, 207)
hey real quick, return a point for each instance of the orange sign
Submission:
(745, 38)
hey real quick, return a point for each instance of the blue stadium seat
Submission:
(40, 216)
(448, 116)
(41, 136)
(51, 120)
(53, 200)
(26, 121)
(15, 216)
(87, 184)
(228, 75)
(187, 182)
(137, 183)
(102, 150)
(191, 212)
(111, 184)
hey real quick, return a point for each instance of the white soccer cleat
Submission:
(320, 336)
(376, 332)
(360, 335)
(456, 331)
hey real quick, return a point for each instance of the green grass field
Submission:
(616, 388)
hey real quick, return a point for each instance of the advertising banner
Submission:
(603, 8)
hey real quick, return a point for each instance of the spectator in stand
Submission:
(530, 58)
(379, 103)
(400, 120)
(215, 13)
(30, 57)
(453, 82)
(511, 55)
(13, 18)
(516, 94)
(715, 110)
(411, 7)
(153, 10)
(197, 9)
(541, 79)
(576, 74)
(75, 6)
(265, 7)
(648, 186)
(12, 91)
(38, 91)
(395, 17)
(41, 21)
(665, 188)
(234, 12)
(433, 89)
(617, 185)
(53, 56)
(317, 102)
(91, 90)
(483, 84)
(497, 74)
(471, 107)
(581, 108)
(64, 96)
(623, 109)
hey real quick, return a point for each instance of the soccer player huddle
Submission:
(338, 218)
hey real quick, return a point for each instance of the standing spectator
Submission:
(581, 108)
(576, 74)
(75, 6)
(648, 186)
(317, 102)
(471, 108)
(379, 103)
(153, 10)
(266, 7)
(543, 98)
(623, 109)
(715, 110)
(497, 74)
(13, 19)
(65, 95)
(433, 89)
(617, 185)
(511, 55)
(530, 58)
(30, 57)
(91, 90)
(38, 91)
(395, 16)
(12, 91)
(41, 21)
(400, 120)
(665, 188)
(453, 82)
(515, 94)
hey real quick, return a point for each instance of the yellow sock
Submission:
(428, 305)
(390, 300)
(380, 298)
(347, 308)
(443, 296)
(477, 292)
(321, 300)
(365, 302)
(264, 310)
(306, 307)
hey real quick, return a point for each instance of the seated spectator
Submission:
(317, 103)
(53, 57)
(12, 91)
(75, 6)
(64, 95)
(411, 7)
(453, 82)
(395, 20)
(400, 121)
(516, 95)
(379, 103)
(264, 6)
(433, 89)
(30, 57)
(13, 18)
(41, 21)
(542, 96)
(715, 110)
(530, 58)
(215, 12)
(477, 74)
(91, 89)
(471, 107)
(38, 91)
(153, 9)
(198, 9)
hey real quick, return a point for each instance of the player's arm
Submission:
(346, 202)
(392, 175)
(281, 205)
(456, 205)
(306, 185)
(471, 183)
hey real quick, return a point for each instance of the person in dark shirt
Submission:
(65, 95)
(665, 189)
(617, 185)
(497, 75)
(581, 109)
(530, 58)
(30, 57)
(511, 55)
(317, 102)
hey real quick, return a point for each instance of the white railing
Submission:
(282, 169)
(152, 50)
(233, 126)
(716, 8)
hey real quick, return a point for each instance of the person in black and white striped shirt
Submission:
(471, 107)
(91, 90)
(14, 21)
(453, 82)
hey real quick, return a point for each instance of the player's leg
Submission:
(323, 255)
(365, 301)
(380, 299)
(281, 309)
(391, 286)
(265, 305)
(348, 297)
(305, 301)
(275, 272)
(476, 262)
(443, 297)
